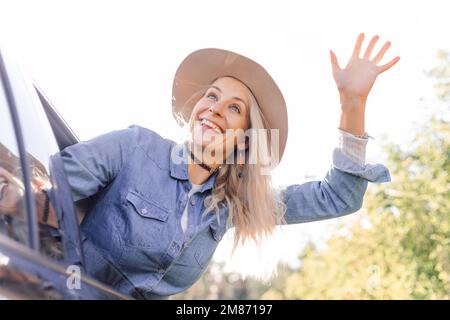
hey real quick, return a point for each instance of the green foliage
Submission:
(398, 245)
(442, 74)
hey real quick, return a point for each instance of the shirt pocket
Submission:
(146, 224)
(146, 208)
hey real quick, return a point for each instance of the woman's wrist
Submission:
(352, 102)
(352, 120)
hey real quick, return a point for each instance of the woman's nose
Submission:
(216, 109)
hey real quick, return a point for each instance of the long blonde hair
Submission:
(254, 206)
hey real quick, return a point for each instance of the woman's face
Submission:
(224, 106)
(11, 191)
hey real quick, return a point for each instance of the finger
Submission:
(358, 44)
(388, 65)
(334, 62)
(381, 53)
(370, 47)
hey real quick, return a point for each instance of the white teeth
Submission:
(211, 125)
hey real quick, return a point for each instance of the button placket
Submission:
(174, 247)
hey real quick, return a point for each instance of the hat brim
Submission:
(203, 66)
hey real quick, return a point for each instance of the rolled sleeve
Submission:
(353, 146)
(341, 191)
(376, 173)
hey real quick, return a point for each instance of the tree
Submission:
(442, 75)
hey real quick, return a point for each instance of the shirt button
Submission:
(192, 201)
(144, 211)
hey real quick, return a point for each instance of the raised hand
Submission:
(357, 78)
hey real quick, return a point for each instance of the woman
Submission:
(157, 216)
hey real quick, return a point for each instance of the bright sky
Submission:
(109, 64)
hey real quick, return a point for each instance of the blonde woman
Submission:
(160, 208)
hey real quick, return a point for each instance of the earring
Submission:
(241, 172)
(241, 160)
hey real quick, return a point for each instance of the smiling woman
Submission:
(157, 217)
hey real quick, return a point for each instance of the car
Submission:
(38, 261)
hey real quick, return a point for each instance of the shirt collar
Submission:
(179, 157)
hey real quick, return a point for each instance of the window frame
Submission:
(32, 222)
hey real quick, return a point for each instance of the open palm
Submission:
(359, 75)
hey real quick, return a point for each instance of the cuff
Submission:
(354, 146)
(372, 172)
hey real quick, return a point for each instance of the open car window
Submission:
(29, 211)
(13, 215)
(16, 282)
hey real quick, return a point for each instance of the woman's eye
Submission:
(212, 96)
(236, 108)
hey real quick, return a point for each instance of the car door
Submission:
(37, 260)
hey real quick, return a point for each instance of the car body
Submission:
(37, 261)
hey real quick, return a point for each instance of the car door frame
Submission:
(29, 258)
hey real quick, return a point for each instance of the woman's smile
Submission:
(210, 125)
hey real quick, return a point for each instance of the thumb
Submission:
(334, 61)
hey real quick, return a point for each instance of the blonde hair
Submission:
(255, 207)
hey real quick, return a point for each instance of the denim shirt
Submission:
(132, 235)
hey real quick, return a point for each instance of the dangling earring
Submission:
(241, 160)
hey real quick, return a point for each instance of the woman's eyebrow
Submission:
(217, 88)
(237, 98)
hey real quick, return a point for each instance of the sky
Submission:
(108, 64)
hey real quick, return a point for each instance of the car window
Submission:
(14, 283)
(39, 145)
(13, 217)
(30, 162)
